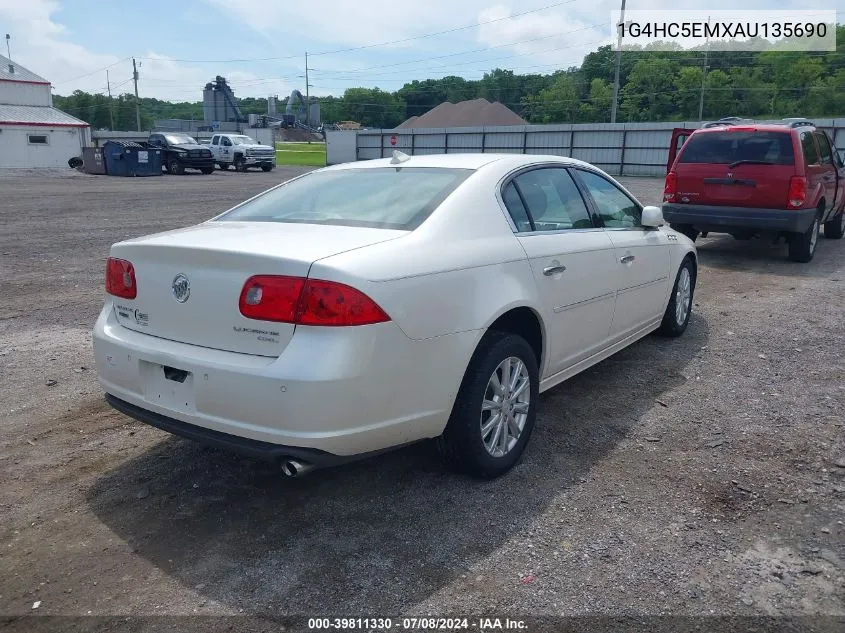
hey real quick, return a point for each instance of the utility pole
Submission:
(704, 77)
(111, 103)
(618, 64)
(8, 50)
(137, 100)
(307, 94)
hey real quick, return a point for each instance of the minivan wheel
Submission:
(495, 409)
(802, 246)
(834, 229)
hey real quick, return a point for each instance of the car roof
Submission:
(472, 161)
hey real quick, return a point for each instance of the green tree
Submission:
(649, 93)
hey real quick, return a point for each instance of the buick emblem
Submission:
(181, 288)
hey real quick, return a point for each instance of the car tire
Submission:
(677, 314)
(175, 167)
(207, 170)
(834, 228)
(240, 164)
(802, 246)
(267, 167)
(223, 166)
(464, 443)
(686, 229)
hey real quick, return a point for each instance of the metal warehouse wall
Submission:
(63, 143)
(628, 149)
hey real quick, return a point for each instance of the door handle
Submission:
(553, 270)
(627, 259)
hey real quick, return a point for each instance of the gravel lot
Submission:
(697, 476)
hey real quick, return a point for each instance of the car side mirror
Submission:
(652, 217)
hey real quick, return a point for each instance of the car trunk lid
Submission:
(214, 260)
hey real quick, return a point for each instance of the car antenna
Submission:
(399, 157)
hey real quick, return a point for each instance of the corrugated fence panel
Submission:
(505, 142)
(556, 143)
(464, 142)
(607, 158)
(597, 139)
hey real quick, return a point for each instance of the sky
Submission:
(259, 46)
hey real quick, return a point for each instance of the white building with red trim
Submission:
(34, 134)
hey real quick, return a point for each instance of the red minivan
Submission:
(747, 179)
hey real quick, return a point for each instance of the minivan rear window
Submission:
(728, 147)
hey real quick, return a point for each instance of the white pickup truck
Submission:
(241, 151)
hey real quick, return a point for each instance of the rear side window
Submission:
(516, 209)
(808, 146)
(724, 148)
(382, 198)
(553, 200)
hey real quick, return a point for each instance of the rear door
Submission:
(571, 259)
(679, 137)
(641, 261)
(736, 166)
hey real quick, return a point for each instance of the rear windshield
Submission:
(385, 198)
(730, 147)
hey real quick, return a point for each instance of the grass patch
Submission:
(313, 154)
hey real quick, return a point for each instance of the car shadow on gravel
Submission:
(762, 255)
(378, 536)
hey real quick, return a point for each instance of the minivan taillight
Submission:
(120, 278)
(797, 192)
(304, 301)
(671, 187)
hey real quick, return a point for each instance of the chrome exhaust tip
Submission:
(294, 468)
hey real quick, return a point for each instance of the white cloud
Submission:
(553, 38)
(47, 50)
(341, 23)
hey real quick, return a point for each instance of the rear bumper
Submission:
(255, 449)
(339, 393)
(726, 219)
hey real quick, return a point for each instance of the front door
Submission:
(572, 260)
(834, 187)
(642, 258)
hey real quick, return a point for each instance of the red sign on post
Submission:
(393, 140)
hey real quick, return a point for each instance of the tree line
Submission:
(654, 86)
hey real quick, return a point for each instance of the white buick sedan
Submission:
(365, 306)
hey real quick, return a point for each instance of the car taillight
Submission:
(797, 192)
(671, 187)
(307, 302)
(271, 298)
(120, 278)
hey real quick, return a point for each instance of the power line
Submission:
(93, 72)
